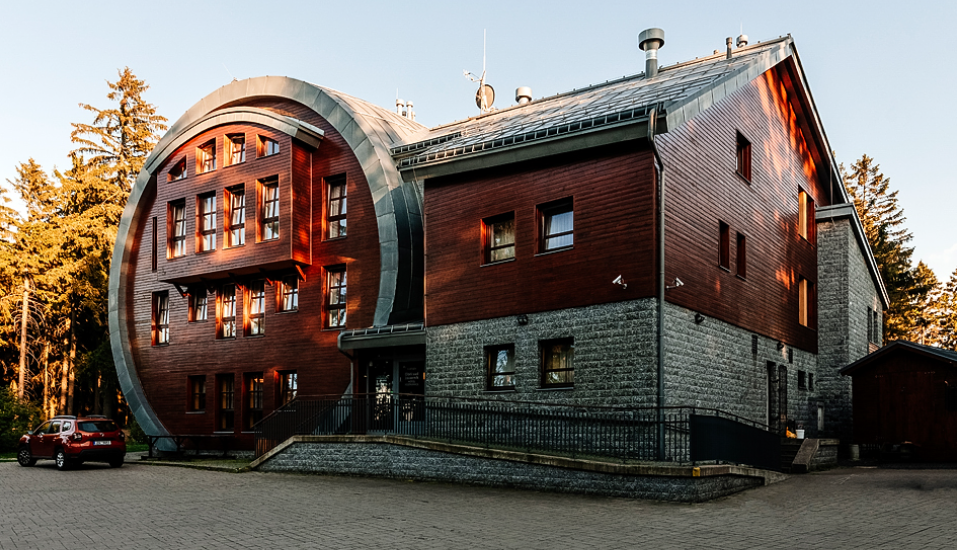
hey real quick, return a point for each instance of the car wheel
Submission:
(116, 462)
(62, 462)
(25, 457)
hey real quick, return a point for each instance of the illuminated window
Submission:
(500, 367)
(724, 245)
(254, 399)
(744, 157)
(197, 393)
(160, 318)
(266, 147)
(335, 296)
(206, 157)
(806, 221)
(289, 293)
(806, 305)
(178, 171)
(557, 224)
(269, 208)
(557, 367)
(227, 396)
(235, 149)
(197, 305)
(499, 237)
(288, 386)
(235, 216)
(206, 223)
(176, 214)
(255, 308)
(741, 252)
(336, 207)
(227, 311)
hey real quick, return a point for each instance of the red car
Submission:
(73, 440)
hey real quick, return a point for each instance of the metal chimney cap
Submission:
(651, 39)
(742, 40)
(523, 95)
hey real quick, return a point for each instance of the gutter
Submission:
(660, 199)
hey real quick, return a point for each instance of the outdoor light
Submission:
(698, 318)
(523, 319)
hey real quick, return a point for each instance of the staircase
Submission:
(789, 450)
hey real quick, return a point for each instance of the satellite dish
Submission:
(484, 97)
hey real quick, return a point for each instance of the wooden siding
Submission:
(292, 341)
(613, 198)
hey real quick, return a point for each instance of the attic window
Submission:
(744, 157)
(206, 157)
(266, 147)
(178, 171)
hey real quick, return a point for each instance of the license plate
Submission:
(102, 442)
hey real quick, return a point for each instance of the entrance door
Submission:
(380, 395)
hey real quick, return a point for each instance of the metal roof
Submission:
(616, 102)
(949, 356)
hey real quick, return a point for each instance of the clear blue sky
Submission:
(882, 73)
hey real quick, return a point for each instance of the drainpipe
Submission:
(652, 123)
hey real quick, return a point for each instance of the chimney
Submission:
(649, 41)
(410, 114)
(742, 40)
(523, 95)
(400, 107)
(728, 42)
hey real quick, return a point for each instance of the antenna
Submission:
(227, 70)
(485, 95)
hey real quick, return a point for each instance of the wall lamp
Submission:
(698, 318)
(522, 319)
(676, 285)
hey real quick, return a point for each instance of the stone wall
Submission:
(399, 462)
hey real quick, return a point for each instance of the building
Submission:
(534, 252)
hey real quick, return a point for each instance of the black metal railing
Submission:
(622, 433)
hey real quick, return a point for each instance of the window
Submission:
(335, 296)
(802, 380)
(227, 311)
(288, 386)
(289, 293)
(500, 367)
(873, 326)
(742, 256)
(197, 305)
(744, 157)
(155, 245)
(499, 238)
(810, 381)
(557, 368)
(724, 245)
(266, 147)
(806, 305)
(269, 208)
(235, 149)
(227, 396)
(178, 171)
(336, 207)
(206, 157)
(235, 216)
(254, 399)
(160, 318)
(197, 393)
(557, 221)
(806, 221)
(255, 309)
(206, 222)
(176, 214)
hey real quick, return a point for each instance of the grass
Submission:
(136, 447)
(10, 455)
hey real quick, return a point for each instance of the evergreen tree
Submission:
(947, 314)
(926, 302)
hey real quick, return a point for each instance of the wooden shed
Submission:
(907, 393)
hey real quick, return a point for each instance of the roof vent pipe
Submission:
(400, 107)
(649, 41)
(409, 113)
(728, 42)
(742, 40)
(523, 95)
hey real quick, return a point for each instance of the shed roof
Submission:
(937, 354)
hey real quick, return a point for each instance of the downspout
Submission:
(660, 195)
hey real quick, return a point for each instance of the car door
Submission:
(49, 437)
(36, 439)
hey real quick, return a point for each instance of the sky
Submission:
(881, 74)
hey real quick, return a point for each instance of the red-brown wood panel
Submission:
(613, 198)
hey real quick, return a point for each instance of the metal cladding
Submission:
(649, 41)
(523, 95)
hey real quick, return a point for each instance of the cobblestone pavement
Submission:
(141, 506)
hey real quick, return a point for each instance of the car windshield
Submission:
(97, 426)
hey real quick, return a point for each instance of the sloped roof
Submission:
(680, 90)
(901, 345)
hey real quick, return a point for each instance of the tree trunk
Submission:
(46, 379)
(72, 362)
(24, 317)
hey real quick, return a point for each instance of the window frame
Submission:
(253, 398)
(285, 392)
(226, 402)
(177, 171)
(264, 185)
(196, 296)
(206, 157)
(206, 222)
(743, 157)
(176, 229)
(548, 211)
(160, 318)
(724, 246)
(807, 307)
(224, 299)
(336, 220)
(806, 215)
(545, 370)
(491, 374)
(741, 256)
(254, 306)
(488, 234)
(229, 208)
(229, 151)
(328, 305)
(283, 293)
(196, 399)
(263, 149)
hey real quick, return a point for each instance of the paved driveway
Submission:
(141, 506)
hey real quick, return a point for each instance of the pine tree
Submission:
(947, 314)
(120, 138)
(924, 308)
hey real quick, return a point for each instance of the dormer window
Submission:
(206, 157)
(178, 171)
(266, 147)
(235, 149)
